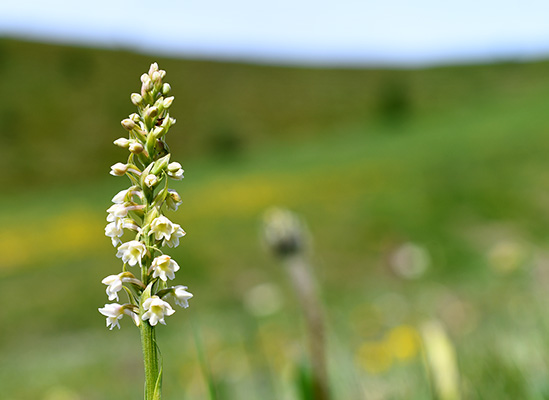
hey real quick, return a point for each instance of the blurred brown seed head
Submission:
(284, 233)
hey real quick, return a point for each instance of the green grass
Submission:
(459, 169)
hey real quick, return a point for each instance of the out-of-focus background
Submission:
(412, 138)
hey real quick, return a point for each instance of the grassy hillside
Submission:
(56, 98)
(451, 159)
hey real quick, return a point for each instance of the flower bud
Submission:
(151, 180)
(156, 77)
(136, 148)
(157, 131)
(122, 142)
(168, 102)
(128, 124)
(168, 122)
(147, 84)
(144, 78)
(136, 99)
(162, 73)
(159, 103)
(151, 112)
(135, 117)
(120, 197)
(119, 169)
(175, 171)
(174, 166)
(166, 89)
(153, 68)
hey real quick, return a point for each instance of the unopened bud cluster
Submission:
(139, 211)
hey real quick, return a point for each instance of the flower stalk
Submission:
(153, 377)
(286, 236)
(139, 212)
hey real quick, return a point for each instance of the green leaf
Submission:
(158, 386)
(161, 164)
(131, 296)
(151, 215)
(145, 295)
(149, 145)
(161, 196)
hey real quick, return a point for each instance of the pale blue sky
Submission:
(312, 31)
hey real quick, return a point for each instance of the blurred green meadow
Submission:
(426, 193)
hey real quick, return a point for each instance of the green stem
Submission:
(150, 358)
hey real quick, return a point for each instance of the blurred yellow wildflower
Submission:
(53, 238)
(404, 342)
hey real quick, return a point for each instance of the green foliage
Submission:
(394, 103)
